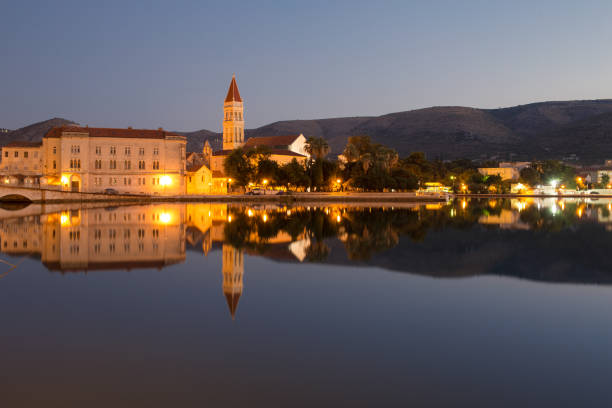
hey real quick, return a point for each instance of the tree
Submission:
(317, 147)
(267, 170)
(239, 167)
(605, 180)
(293, 173)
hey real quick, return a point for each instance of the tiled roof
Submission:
(108, 265)
(232, 93)
(279, 152)
(271, 140)
(110, 132)
(232, 302)
(285, 152)
(24, 144)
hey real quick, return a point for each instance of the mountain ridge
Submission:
(554, 129)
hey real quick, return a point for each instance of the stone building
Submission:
(21, 163)
(134, 161)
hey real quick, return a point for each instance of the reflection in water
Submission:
(456, 239)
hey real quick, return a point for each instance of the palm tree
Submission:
(351, 153)
(366, 161)
(317, 147)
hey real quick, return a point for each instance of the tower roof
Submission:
(233, 95)
(232, 302)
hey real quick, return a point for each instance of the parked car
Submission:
(110, 191)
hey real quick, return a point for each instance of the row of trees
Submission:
(368, 166)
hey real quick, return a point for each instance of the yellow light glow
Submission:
(338, 181)
(463, 204)
(229, 180)
(288, 212)
(165, 217)
(338, 218)
(229, 218)
(265, 218)
(165, 181)
(64, 180)
(265, 181)
(250, 212)
(64, 220)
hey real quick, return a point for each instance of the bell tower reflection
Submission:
(233, 272)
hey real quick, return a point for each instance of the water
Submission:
(471, 303)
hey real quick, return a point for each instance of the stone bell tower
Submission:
(233, 272)
(233, 118)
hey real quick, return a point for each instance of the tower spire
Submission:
(233, 119)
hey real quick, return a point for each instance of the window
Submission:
(113, 150)
(75, 149)
(6, 153)
(16, 153)
(98, 164)
(155, 151)
(54, 164)
(128, 151)
(141, 164)
(141, 151)
(127, 165)
(112, 164)
(54, 150)
(25, 155)
(156, 165)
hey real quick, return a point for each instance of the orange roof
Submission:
(110, 132)
(24, 144)
(232, 93)
(271, 140)
(232, 302)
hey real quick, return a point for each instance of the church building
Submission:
(283, 149)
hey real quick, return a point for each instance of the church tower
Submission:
(233, 118)
(233, 271)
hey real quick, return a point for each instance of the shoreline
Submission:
(370, 198)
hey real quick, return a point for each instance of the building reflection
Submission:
(156, 236)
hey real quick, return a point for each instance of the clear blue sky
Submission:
(153, 63)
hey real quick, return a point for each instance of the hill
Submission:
(537, 130)
(32, 133)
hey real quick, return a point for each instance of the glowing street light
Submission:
(265, 181)
(554, 183)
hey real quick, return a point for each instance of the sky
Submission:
(151, 64)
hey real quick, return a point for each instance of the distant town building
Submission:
(21, 163)
(506, 170)
(4, 130)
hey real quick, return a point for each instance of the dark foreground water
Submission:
(490, 303)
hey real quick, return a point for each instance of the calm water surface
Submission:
(470, 303)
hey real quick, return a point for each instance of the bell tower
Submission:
(233, 272)
(233, 118)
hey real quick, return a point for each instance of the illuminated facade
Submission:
(131, 161)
